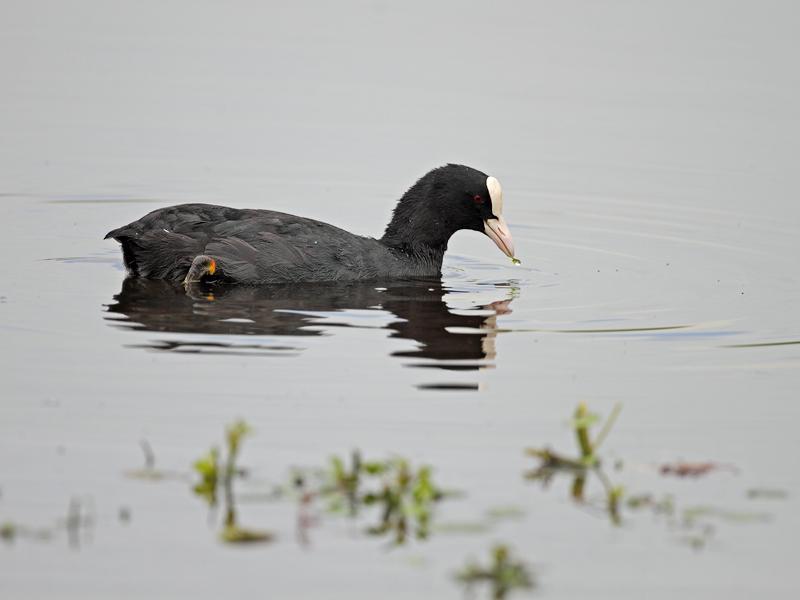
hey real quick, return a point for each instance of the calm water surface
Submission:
(648, 155)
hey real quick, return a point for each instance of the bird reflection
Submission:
(293, 310)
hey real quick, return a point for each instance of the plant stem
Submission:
(608, 425)
(582, 431)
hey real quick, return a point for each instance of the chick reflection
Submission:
(289, 310)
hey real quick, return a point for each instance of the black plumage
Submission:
(262, 246)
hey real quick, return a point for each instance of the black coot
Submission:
(194, 242)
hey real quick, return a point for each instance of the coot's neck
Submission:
(418, 229)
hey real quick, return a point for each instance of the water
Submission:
(647, 154)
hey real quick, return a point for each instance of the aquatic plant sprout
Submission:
(504, 574)
(694, 523)
(213, 476)
(404, 496)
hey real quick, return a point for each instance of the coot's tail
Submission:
(115, 233)
(123, 236)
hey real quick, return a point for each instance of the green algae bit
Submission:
(515, 261)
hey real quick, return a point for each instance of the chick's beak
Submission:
(497, 229)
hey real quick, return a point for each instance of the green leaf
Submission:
(584, 422)
(233, 534)
(374, 468)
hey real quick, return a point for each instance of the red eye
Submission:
(477, 199)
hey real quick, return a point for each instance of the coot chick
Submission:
(204, 242)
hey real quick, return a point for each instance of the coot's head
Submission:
(446, 200)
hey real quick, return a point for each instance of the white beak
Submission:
(497, 229)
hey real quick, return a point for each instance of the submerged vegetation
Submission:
(585, 463)
(149, 472)
(78, 524)
(694, 524)
(504, 574)
(394, 499)
(216, 476)
(404, 496)
(587, 458)
(406, 499)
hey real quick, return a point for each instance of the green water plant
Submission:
(344, 483)
(585, 464)
(78, 523)
(695, 525)
(11, 531)
(406, 500)
(403, 495)
(587, 460)
(504, 574)
(582, 421)
(149, 472)
(767, 494)
(209, 469)
(8, 531)
(217, 476)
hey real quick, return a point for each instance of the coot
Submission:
(204, 242)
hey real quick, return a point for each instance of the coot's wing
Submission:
(302, 251)
(251, 246)
(186, 219)
(163, 243)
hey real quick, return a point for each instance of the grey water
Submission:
(648, 153)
